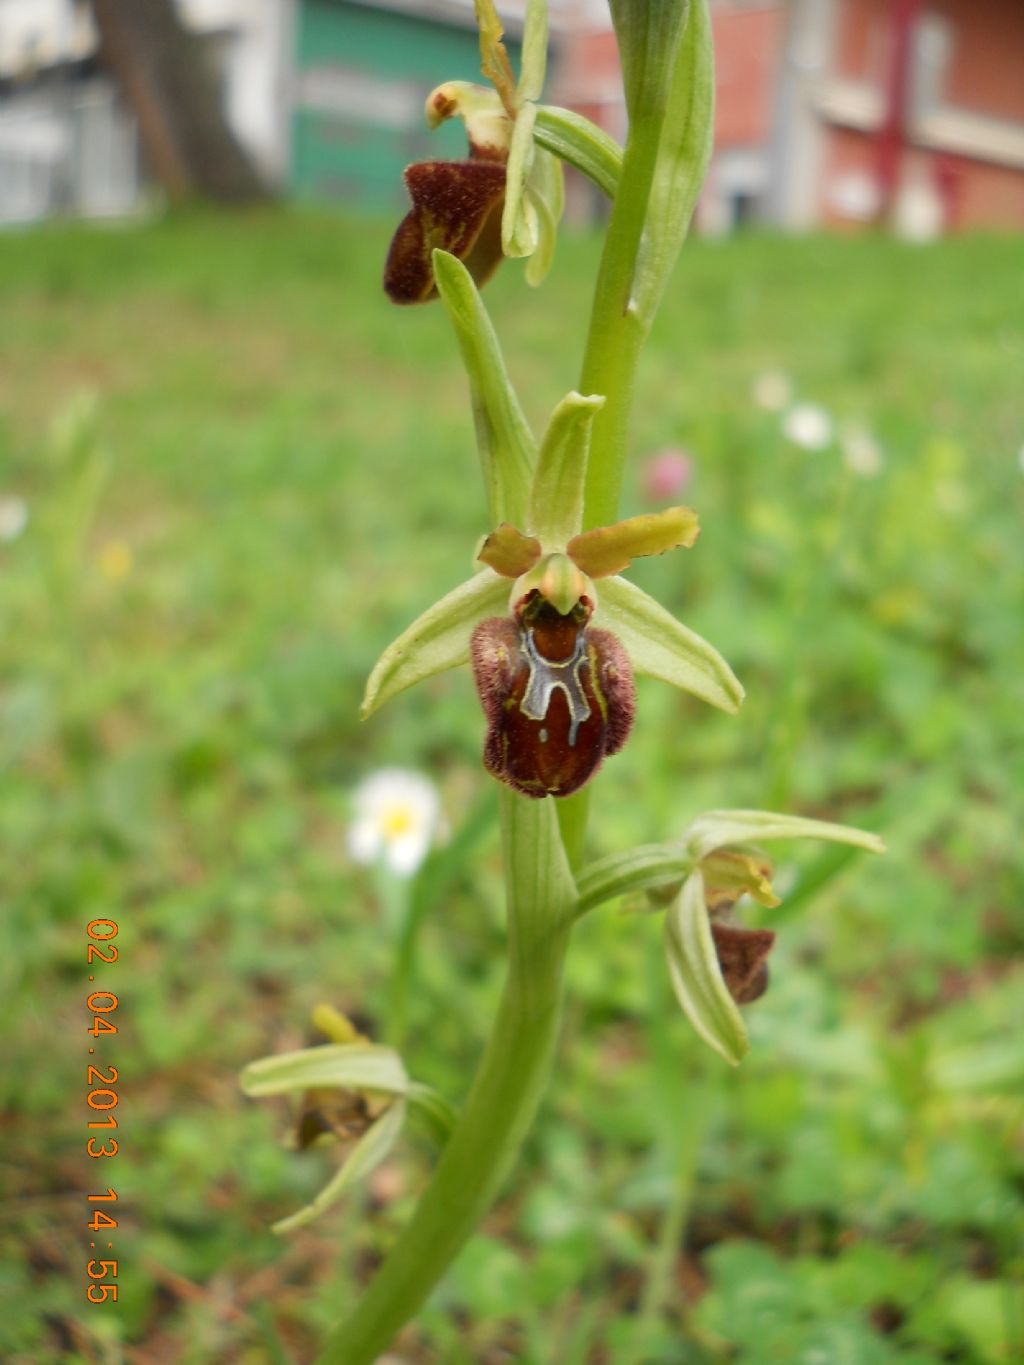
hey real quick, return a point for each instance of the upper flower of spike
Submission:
(506, 198)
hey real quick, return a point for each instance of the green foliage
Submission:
(180, 736)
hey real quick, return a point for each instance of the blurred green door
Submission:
(362, 74)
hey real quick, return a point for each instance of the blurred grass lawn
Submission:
(291, 479)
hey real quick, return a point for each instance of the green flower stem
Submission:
(614, 341)
(617, 333)
(505, 1094)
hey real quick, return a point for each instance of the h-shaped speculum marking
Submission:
(548, 674)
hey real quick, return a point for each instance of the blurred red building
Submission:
(842, 112)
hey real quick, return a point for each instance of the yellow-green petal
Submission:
(608, 550)
(508, 552)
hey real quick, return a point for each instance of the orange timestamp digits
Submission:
(102, 1098)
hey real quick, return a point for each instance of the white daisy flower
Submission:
(397, 818)
(807, 425)
(772, 390)
(13, 518)
(861, 452)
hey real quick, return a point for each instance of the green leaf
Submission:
(351, 1066)
(556, 493)
(507, 446)
(607, 550)
(437, 640)
(546, 191)
(582, 144)
(368, 1152)
(684, 150)
(716, 828)
(660, 647)
(645, 868)
(533, 64)
(520, 226)
(696, 976)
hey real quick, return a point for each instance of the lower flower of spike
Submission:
(558, 695)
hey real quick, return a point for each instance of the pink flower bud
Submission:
(667, 474)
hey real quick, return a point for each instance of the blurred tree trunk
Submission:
(166, 76)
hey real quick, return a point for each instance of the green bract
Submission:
(507, 446)
(684, 150)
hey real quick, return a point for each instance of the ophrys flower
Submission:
(554, 660)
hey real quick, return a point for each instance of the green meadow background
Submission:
(245, 473)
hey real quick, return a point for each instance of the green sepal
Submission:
(506, 444)
(520, 224)
(353, 1066)
(684, 150)
(533, 62)
(546, 192)
(369, 1151)
(556, 492)
(719, 828)
(659, 646)
(697, 977)
(607, 550)
(574, 139)
(649, 867)
(437, 640)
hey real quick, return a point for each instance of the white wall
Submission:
(36, 33)
(258, 38)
